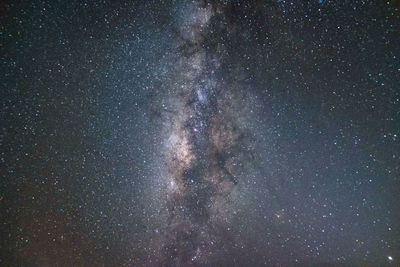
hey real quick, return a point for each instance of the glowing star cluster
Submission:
(200, 138)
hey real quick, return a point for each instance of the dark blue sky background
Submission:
(87, 88)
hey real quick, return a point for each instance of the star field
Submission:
(200, 133)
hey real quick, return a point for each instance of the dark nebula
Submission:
(200, 133)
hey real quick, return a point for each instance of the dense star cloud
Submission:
(200, 133)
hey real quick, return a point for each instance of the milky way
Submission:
(204, 141)
(200, 133)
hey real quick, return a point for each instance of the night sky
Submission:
(200, 133)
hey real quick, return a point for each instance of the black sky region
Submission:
(200, 133)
